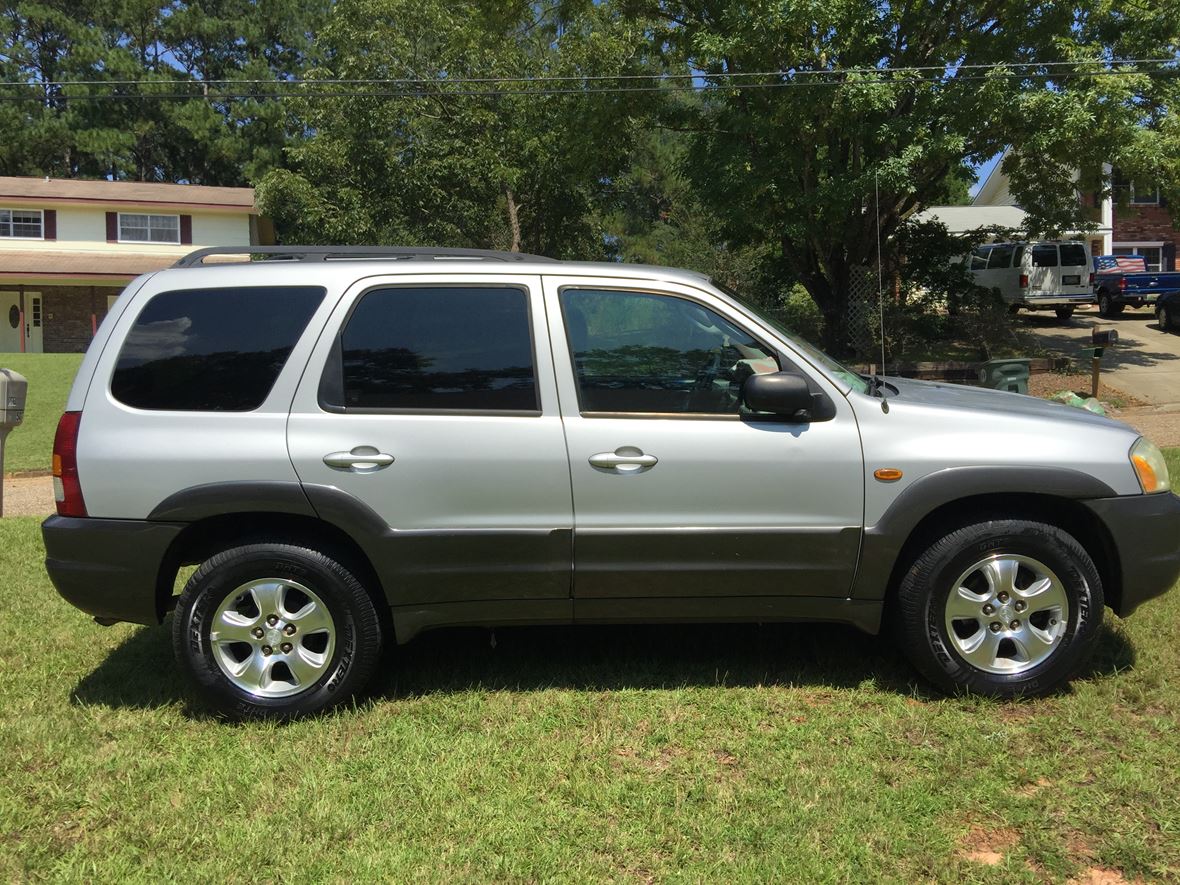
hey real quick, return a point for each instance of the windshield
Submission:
(813, 353)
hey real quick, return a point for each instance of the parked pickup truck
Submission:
(1121, 280)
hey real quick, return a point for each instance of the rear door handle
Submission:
(362, 459)
(625, 459)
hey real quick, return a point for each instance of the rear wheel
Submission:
(1064, 313)
(1107, 306)
(1002, 608)
(275, 631)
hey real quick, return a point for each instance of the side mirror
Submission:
(783, 393)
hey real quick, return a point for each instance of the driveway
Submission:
(1144, 364)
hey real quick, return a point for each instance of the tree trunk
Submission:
(513, 219)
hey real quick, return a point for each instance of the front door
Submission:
(10, 322)
(34, 323)
(678, 491)
(435, 405)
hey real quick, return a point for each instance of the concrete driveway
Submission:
(1144, 364)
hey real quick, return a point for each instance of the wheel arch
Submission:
(953, 497)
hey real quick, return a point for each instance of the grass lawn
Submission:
(694, 753)
(30, 446)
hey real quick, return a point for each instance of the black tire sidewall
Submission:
(1050, 546)
(222, 575)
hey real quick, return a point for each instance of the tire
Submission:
(1013, 309)
(1163, 317)
(1064, 313)
(1108, 307)
(1056, 628)
(287, 672)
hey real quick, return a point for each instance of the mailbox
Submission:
(13, 388)
(1104, 339)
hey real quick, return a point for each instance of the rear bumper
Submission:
(109, 568)
(1056, 300)
(1146, 534)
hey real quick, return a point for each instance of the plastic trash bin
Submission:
(1010, 374)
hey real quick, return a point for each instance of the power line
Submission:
(791, 73)
(444, 89)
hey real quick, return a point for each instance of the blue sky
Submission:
(982, 171)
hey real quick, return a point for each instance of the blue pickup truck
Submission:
(1122, 280)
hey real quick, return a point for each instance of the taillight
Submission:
(1024, 281)
(1091, 278)
(67, 489)
(1123, 284)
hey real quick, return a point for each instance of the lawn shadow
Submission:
(141, 673)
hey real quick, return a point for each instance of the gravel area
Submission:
(28, 496)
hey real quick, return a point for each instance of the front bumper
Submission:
(1146, 534)
(109, 568)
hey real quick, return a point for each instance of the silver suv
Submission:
(357, 445)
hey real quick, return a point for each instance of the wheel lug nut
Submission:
(988, 609)
(289, 629)
(1015, 625)
(1020, 606)
(996, 626)
(1052, 622)
(1003, 597)
(285, 648)
(266, 650)
(256, 632)
(272, 619)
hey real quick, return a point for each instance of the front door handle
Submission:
(362, 459)
(625, 459)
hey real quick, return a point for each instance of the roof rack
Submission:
(352, 253)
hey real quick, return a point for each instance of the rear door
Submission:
(1075, 269)
(679, 493)
(431, 400)
(1044, 277)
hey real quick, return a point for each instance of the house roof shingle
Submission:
(73, 190)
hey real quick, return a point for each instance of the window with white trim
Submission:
(1144, 194)
(1153, 256)
(23, 224)
(136, 228)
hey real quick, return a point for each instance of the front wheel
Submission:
(1003, 608)
(275, 631)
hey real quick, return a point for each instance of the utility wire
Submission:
(443, 89)
(948, 70)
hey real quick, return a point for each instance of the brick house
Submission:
(68, 247)
(1135, 221)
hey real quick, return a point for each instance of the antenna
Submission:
(880, 284)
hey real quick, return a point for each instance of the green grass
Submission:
(691, 753)
(30, 446)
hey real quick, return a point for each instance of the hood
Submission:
(980, 399)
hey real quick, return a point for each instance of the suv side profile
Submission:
(355, 445)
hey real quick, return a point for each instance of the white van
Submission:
(1050, 275)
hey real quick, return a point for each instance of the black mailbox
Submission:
(1104, 339)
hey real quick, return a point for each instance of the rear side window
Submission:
(211, 350)
(1044, 255)
(979, 258)
(1073, 255)
(436, 348)
(1001, 257)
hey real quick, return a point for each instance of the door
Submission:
(10, 322)
(1045, 274)
(34, 323)
(434, 404)
(679, 492)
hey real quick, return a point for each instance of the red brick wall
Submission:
(1136, 224)
(67, 314)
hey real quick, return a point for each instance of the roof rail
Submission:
(346, 253)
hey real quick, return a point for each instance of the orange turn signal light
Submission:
(57, 465)
(887, 474)
(1147, 477)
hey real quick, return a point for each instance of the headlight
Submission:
(1150, 466)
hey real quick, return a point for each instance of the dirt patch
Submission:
(1035, 787)
(988, 846)
(1046, 384)
(1100, 876)
(28, 496)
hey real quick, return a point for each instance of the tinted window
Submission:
(438, 348)
(1073, 255)
(1001, 257)
(979, 258)
(1044, 255)
(211, 350)
(1018, 257)
(635, 352)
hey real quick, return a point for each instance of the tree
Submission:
(152, 111)
(425, 162)
(887, 99)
